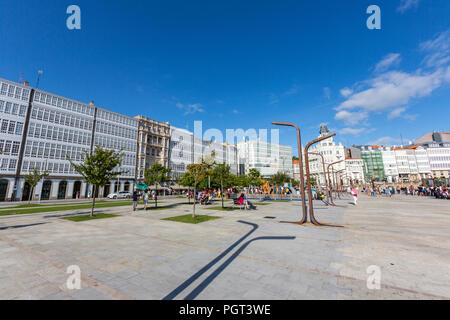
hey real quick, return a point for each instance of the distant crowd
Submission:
(441, 192)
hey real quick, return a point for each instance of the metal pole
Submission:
(302, 178)
(329, 179)
(324, 172)
(308, 177)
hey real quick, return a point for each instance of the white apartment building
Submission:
(14, 100)
(439, 158)
(354, 172)
(266, 157)
(390, 164)
(406, 164)
(437, 145)
(186, 149)
(423, 164)
(54, 128)
(181, 151)
(331, 152)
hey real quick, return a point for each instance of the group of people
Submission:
(145, 195)
(439, 192)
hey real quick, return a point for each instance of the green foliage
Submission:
(198, 172)
(240, 181)
(187, 180)
(156, 174)
(313, 181)
(254, 178)
(279, 178)
(99, 168)
(33, 178)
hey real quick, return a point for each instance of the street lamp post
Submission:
(324, 173)
(308, 177)
(338, 182)
(302, 178)
(329, 179)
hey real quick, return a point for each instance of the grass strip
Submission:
(88, 217)
(188, 219)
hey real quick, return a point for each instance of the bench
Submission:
(237, 204)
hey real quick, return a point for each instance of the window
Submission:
(8, 107)
(15, 109)
(22, 111)
(19, 128)
(12, 127)
(4, 127)
(15, 148)
(12, 164)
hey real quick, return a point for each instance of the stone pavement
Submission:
(243, 255)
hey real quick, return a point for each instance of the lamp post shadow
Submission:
(197, 290)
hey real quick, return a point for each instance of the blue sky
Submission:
(242, 64)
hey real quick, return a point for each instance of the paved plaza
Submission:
(243, 255)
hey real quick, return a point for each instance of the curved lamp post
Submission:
(329, 179)
(308, 177)
(338, 182)
(302, 178)
(324, 172)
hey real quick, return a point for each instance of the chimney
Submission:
(26, 83)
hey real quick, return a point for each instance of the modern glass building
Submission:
(43, 129)
(373, 163)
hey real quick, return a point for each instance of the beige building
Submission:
(153, 144)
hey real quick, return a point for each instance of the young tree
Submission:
(221, 176)
(198, 172)
(98, 169)
(188, 181)
(156, 175)
(33, 179)
(279, 178)
(254, 178)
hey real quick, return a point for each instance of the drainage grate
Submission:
(270, 217)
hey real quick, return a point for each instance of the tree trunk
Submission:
(221, 193)
(195, 200)
(30, 197)
(156, 195)
(94, 190)
(189, 195)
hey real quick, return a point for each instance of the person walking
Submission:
(355, 196)
(135, 200)
(146, 200)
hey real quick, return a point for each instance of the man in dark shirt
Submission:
(135, 200)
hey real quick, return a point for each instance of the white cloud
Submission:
(437, 49)
(396, 113)
(354, 131)
(190, 108)
(393, 89)
(345, 92)
(384, 141)
(351, 118)
(392, 59)
(407, 4)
